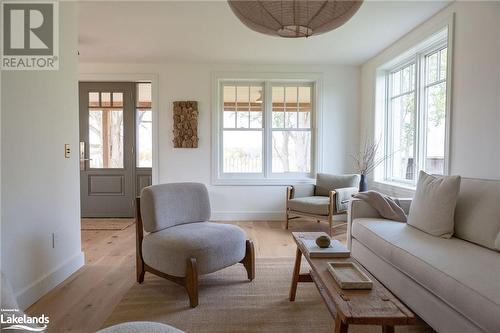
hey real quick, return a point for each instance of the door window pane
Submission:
(242, 151)
(291, 151)
(106, 138)
(117, 99)
(144, 95)
(95, 139)
(144, 126)
(105, 99)
(144, 132)
(93, 99)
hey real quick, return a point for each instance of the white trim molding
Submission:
(151, 77)
(267, 79)
(49, 281)
(401, 54)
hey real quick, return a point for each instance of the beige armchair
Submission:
(180, 244)
(330, 196)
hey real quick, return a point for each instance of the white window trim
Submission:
(266, 177)
(427, 44)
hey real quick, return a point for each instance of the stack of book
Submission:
(335, 250)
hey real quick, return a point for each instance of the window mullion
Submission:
(387, 122)
(420, 113)
(267, 123)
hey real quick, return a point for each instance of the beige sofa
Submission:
(452, 284)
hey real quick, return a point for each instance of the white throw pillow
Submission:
(433, 207)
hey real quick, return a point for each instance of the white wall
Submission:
(40, 188)
(475, 115)
(184, 81)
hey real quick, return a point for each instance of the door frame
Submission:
(153, 78)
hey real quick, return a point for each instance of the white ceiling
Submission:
(207, 31)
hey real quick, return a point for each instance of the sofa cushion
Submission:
(433, 206)
(477, 215)
(316, 205)
(166, 205)
(214, 245)
(462, 274)
(326, 183)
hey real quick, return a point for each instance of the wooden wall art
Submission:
(186, 124)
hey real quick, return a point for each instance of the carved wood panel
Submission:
(185, 124)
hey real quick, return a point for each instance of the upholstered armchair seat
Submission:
(215, 246)
(316, 205)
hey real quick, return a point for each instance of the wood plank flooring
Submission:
(83, 301)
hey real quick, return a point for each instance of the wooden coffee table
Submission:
(377, 306)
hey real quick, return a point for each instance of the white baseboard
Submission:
(258, 216)
(248, 216)
(46, 283)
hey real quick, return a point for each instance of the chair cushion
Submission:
(214, 246)
(462, 274)
(140, 327)
(326, 183)
(477, 215)
(433, 207)
(313, 205)
(166, 205)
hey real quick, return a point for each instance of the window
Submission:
(144, 126)
(106, 130)
(415, 133)
(265, 130)
(291, 129)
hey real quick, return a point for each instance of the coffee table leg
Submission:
(340, 326)
(295, 276)
(387, 329)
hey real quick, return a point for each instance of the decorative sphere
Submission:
(323, 241)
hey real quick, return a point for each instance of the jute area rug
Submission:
(229, 303)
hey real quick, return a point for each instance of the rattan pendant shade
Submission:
(294, 18)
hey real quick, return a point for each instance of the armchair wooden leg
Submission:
(192, 282)
(287, 220)
(249, 260)
(140, 271)
(330, 226)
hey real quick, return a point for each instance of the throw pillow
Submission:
(433, 207)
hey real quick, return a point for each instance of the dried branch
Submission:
(366, 159)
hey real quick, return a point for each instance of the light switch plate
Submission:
(67, 151)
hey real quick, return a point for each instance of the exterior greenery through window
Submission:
(415, 121)
(266, 135)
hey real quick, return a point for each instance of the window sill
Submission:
(262, 182)
(393, 188)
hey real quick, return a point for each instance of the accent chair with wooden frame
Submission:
(329, 197)
(180, 244)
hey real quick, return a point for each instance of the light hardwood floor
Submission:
(84, 301)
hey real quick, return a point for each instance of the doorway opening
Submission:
(116, 151)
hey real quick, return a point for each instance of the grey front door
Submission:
(107, 162)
